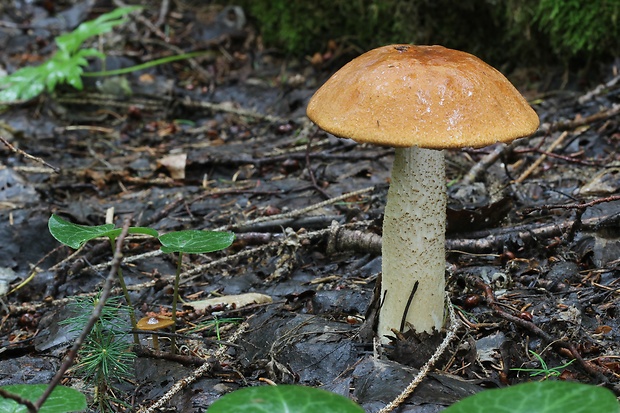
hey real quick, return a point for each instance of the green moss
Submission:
(300, 26)
(497, 30)
(581, 26)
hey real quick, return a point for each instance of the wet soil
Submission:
(222, 142)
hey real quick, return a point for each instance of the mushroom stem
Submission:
(155, 342)
(413, 243)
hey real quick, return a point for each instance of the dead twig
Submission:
(228, 107)
(429, 364)
(309, 167)
(163, 12)
(152, 27)
(298, 212)
(567, 125)
(599, 90)
(28, 156)
(589, 367)
(32, 408)
(559, 126)
(343, 239)
(483, 164)
(580, 206)
(196, 374)
(541, 158)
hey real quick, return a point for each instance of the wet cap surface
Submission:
(426, 96)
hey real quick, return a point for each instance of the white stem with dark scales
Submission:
(414, 242)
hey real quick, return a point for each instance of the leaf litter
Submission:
(532, 262)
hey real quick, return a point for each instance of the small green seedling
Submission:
(66, 65)
(214, 324)
(62, 400)
(191, 242)
(544, 369)
(74, 236)
(106, 356)
(540, 397)
(283, 399)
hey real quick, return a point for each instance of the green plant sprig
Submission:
(75, 235)
(67, 63)
(191, 242)
(544, 370)
(106, 355)
(146, 65)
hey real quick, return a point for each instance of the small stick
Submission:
(194, 375)
(19, 399)
(588, 366)
(541, 159)
(28, 156)
(429, 364)
(301, 211)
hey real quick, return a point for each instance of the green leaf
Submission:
(196, 241)
(62, 400)
(71, 42)
(75, 235)
(65, 65)
(540, 397)
(283, 399)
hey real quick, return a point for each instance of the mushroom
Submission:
(420, 100)
(153, 323)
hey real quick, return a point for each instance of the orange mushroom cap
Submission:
(154, 323)
(428, 96)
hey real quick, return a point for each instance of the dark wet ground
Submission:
(523, 274)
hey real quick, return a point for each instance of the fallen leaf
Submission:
(175, 164)
(229, 302)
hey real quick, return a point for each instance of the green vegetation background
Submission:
(499, 31)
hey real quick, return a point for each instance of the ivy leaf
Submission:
(62, 400)
(75, 235)
(196, 241)
(283, 399)
(540, 397)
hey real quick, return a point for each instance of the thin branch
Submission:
(574, 124)
(476, 171)
(28, 156)
(309, 167)
(541, 158)
(19, 399)
(588, 366)
(196, 374)
(580, 206)
(299, 212)
(491, 240)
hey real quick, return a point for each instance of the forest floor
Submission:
(221, 142)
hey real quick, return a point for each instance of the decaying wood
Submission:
(488, 241)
